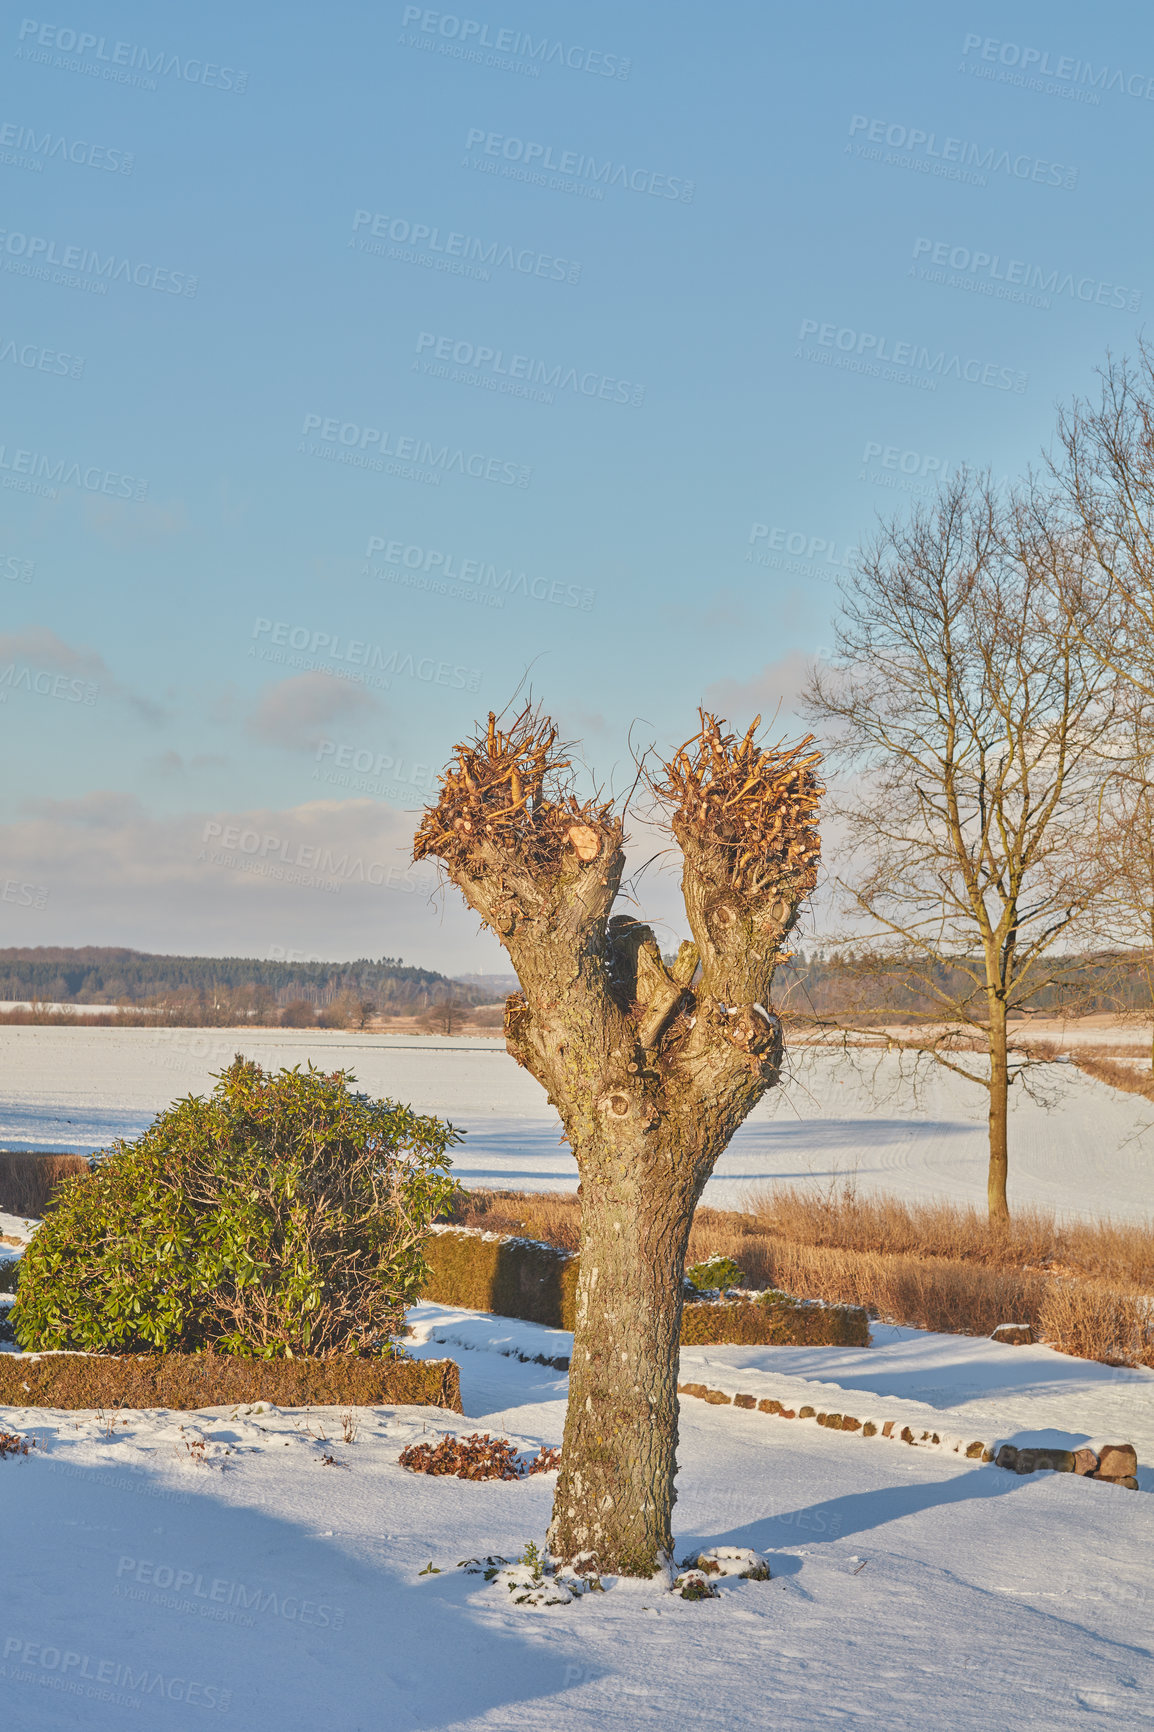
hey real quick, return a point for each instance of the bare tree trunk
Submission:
(1150, 988)
(999, 1208)
(615, 1490)
(651, 1068)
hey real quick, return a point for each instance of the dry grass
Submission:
(552, 1216)
(1131, 1078)
(838, 1216)
(27, 1180)
(1094, 1320)
(1082, 1286)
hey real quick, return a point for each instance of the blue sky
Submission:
(357, 365)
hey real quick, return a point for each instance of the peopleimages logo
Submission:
(307, 865)
(366, 447)
(432, 568)
(812, 549)
(1016, 279)
(518, 375)
(906, 468)
(468, 35)
(1036, 63)
(220, 1592)
(24, 895)
(22, 678)
(357, 653)
(366, 762)
(867, 351)
(33, 472)
(953, 158)
(27, 1662)
(50, 146)
(37, 256)
(13, 569)
(535, 161)
(118, 60)
(458, 254)
(37, 359)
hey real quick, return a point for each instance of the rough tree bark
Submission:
(651, 1068)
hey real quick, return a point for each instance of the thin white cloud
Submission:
(331, 877)
(774, 693)
(43, 649)
(126, 524)
(298, 712)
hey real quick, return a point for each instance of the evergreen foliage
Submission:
(282, 1216)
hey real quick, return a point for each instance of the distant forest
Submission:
(850, 985)
(221, 988)
(99, 975)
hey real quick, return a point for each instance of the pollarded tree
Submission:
(651, 1068)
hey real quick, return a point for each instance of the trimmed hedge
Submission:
(538, 1283)
(773, 1320)
(193, 1380)
(511, 1277)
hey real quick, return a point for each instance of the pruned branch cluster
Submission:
(506, 792)
(478, 1457)
(754, 806)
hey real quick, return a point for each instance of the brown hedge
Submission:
(524, 1278)
(509, 1276)
(779, 1322)
(194, 1380)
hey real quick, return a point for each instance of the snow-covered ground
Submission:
(265, 1588)
(1090, 1151)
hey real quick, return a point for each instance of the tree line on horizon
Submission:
(215, 985)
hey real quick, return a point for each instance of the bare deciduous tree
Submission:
(970, 715)
(1104, 469)
(1125, 847)
(651, 1068)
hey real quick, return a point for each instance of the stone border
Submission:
(1114, 1464)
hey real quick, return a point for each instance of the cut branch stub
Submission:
(685, 964)
(643, 984)
(753, 1030)
(584, 841)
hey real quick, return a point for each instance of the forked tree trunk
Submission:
(651, 1067)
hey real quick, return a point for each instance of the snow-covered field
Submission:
(253, 1581)
(910, 1589)
(1090, 1151)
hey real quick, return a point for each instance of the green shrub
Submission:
(282, 1216)
(717, 1275)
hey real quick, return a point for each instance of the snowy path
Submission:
(76, 1088)
(910, 1589)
